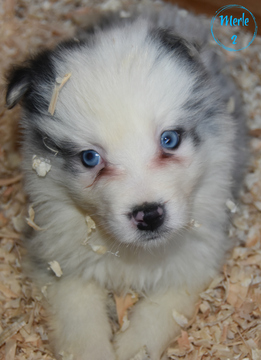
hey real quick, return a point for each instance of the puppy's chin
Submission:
(131, 237)
(154, 239)
(148, 240)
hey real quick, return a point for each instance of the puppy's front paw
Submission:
(79, 321)
(142, 354)
(151, 326)
(130, 345)
(90, 351)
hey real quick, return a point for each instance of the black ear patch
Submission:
(174, 43)
(25, 82)
(19, 82)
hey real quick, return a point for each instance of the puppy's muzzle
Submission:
(148, 216)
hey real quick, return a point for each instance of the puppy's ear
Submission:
(18, 85)
(25, 82)
(175, 43)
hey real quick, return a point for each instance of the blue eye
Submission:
(170, 139)
(90, 158)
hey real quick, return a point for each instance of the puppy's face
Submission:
(125, 141)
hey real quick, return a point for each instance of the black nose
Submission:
(148, 216)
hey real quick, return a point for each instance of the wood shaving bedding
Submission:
(6, 182)
(96, 248)
(231, 206)
(56, 268)
(12, 329)
(180, 319)
(123, 304)
(60, 82)
(30, 219)
(227, 323)
(90, 225)
(41, 166)
(99, 249)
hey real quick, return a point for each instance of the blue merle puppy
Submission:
(130, 155)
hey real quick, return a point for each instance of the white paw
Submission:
(100, 351)
(131, 345)
(142, 354)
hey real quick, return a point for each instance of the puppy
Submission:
(130, 156)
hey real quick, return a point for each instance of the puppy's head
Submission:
(133, 132)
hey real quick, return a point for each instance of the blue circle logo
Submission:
(237, 41)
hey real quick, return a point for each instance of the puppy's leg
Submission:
(79, 322)
(153, 325)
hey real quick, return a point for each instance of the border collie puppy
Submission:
(130, 155)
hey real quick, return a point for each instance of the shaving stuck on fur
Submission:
(143, 140)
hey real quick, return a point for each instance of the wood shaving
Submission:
(9, 235)
(98, 249)
(30, 220)
(45, 139)
(60, 82)
(90, 224)
(125, 323)
(123, 304)
(231, 206)
(44, 291)
(6, 182)
(204, 307)
(10, 349)
(195, 223)
(56, 268)
(7, 292)
(12, 329)
(180, 319)
(41, 166)
(185, 346)
(19, 222)
(184, 342)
